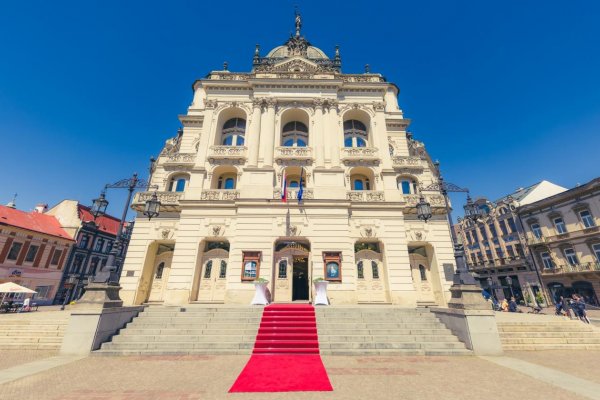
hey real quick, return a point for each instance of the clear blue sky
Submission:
(503, 93)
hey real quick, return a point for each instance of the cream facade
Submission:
(294, 120)
(563, 234)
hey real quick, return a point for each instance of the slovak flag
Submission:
(284, 187)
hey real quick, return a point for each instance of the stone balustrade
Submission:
(169, 201)
(180, 159)
(227, 152)
(408, 162)
(292, 194)
(435, 200)
(293, 153)
(365, 195)
(220, 194)
(359, 154)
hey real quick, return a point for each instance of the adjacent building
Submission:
(496, 249)
(33, 250)
(94, 239)
(291, 172)
(563, 234)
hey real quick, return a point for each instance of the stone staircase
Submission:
(384, 330)
(33, 331)
(193, 329)
(545, 332)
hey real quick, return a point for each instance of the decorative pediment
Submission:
(296, 64)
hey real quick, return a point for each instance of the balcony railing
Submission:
(220, 194)
(293, 153)
(359, 154)
(573, 234)
(365, 195)
(227, 153)
(435, 200)
(169, 201)
(292, 194)
(566, 269)
(408, 162)
(180, 159)
(533, 240)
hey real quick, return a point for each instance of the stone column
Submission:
(317, 137)
(253, 138)
(267, 136)
(336, 135)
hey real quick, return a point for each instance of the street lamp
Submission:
(99, 205)
(70, 284)
(472, 210)
(509, 282)
(490, 282)
(423, 209)
(152, 207)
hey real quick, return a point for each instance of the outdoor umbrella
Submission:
(10, 287)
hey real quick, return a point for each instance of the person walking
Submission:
(579, 308)
(512, 305)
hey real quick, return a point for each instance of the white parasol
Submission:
(10, 287)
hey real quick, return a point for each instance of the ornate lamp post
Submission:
(509, 282)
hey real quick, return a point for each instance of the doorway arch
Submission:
(292, 272)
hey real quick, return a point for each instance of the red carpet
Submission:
(286, 353)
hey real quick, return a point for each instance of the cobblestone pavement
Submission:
(580, 363)
(210, 377)
(10, 358)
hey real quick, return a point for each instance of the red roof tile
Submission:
(106, 223)
(32, 221)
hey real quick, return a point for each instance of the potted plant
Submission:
(260, 292)
(321, 292)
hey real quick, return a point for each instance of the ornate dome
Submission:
(284, 52)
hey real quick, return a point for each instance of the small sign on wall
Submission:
(448, 271)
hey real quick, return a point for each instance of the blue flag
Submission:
(301, 190)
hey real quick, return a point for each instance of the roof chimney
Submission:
(41, 208)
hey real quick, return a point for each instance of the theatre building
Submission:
(291, 172)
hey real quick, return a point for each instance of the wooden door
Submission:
(370, 277)
(421, 275)
(160, 277)
(213, 280)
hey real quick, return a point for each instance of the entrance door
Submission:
(421, 275)
(160, 277)
(213, 280)
(370, 281)
(300, 278)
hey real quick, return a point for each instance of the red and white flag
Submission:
(284, 187)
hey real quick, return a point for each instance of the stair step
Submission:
(286, 344)
(287, 336)
(283, 350)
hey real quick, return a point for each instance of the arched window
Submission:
(178, 184)
(294, 182)
(422, 272)
(223, 270)
(208, 270)
(294, 134)
(234, 131)
(375, 268)
(360, 271)
(159, 270)
(360, 182)
(408, 185)
(355, 134)
(282, 272)
(226, 182)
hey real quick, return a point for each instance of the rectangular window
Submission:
(77, 263)
(250, 265)
(56, 257)
(493, 230)
(547, 260)
(33, 249)
(560, 226)
(333, 265)
(586, 218)
(42, 292)
(405, 187)
(483, 234)
(488, 254)
(503, 227)
(93, 265)
(519, 249)
(499, 252)
(282, 269)
(511, 252)
(537, 231)
(596, 249)
(511, 224)
(571, 256)
(14, 251)
(99, 245)
(83, 243)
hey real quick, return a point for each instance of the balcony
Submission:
(220, 195)
(283, 153)
(569, 269)
(359, 154)
(227, 153)
(292, 194)
(365, 196)
(534, 240)
(408, 162)
(169, 201)
(435, 200)
(180, 160)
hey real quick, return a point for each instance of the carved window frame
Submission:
(251, 256)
